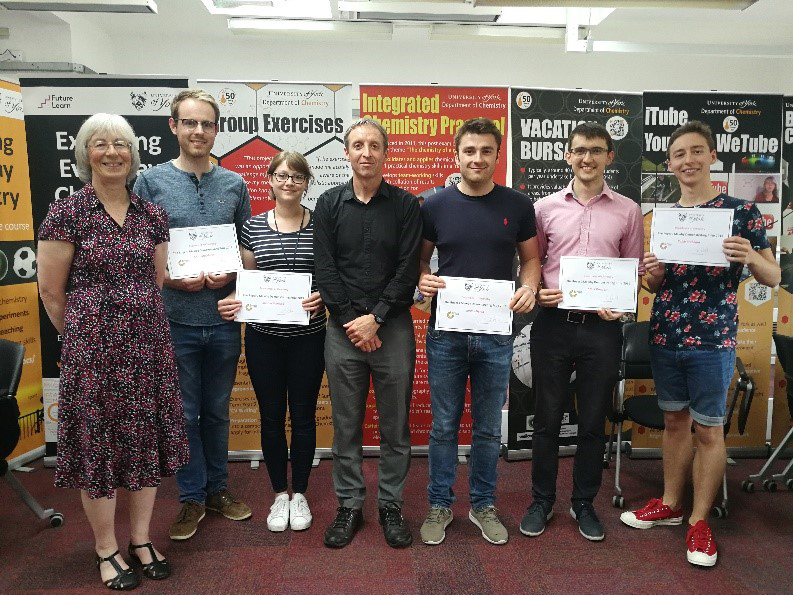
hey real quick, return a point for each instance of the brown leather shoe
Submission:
(187, 522)
(227, 505)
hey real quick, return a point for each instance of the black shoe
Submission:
(533, 523)
(125, 579)
(395, 530)
(156, 569)
(343, 527)
(588, 523)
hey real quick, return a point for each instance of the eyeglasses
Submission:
(594, 151)
(296, 178)
(121, 146)
(191, 124)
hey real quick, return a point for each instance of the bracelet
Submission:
(531, 289)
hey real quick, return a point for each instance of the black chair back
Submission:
(11, 356)
(784, 357)
(636, 351)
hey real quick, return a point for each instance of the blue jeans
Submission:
(693, 379)
(451, 358)
(207, 359)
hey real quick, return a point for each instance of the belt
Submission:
(573, 316)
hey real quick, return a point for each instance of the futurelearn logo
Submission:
(57, 101)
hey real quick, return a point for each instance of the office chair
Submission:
(11, 358)
(784, 359)
(644, 410)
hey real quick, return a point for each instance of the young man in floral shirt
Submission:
(693, 327)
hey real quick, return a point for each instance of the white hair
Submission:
(100, 124)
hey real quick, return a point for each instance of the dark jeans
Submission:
(592, 349)
(286, 370)
(207, 359)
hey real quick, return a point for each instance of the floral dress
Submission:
(120, 418)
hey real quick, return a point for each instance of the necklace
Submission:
(297, 239)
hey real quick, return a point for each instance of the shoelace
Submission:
(700, 539)
(652, 505)
(279, 505)
(488, 514)
(302, 506)
(537, 507)
(435, 515)
(586, 510)
(392, 516)
(187, 512)
(343, 517)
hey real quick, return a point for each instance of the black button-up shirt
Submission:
(367, 254)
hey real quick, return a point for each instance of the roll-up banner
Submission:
(540, 122)
(421, 121)
(19, 313)
(747, 130)
(782, 416)
(54, 110)
(257, 121)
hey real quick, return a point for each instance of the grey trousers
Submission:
(391, 371)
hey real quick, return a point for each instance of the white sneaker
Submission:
(278, 519)
(299, 513)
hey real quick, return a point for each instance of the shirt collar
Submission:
(348, 193)
(570, 195)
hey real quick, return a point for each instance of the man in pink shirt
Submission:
(587, 218)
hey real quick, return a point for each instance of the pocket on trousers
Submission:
(434, 335)
(503, 340)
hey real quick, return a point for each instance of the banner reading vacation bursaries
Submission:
(541, 121)
(19, 313)
(747, 130)
(782, 416)
(257, 121)
(421, 122)
(54, 110)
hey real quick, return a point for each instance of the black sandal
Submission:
(156, 569)
(125, 579)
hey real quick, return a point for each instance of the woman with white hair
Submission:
(101, 264)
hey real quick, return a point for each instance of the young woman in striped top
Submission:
(285, 362)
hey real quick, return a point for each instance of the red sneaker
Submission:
(655, 512)
(701, 547)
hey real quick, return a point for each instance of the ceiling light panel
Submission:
(127, 6)
(284, 9)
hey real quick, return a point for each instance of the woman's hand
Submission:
(313, 303)
(228, 308)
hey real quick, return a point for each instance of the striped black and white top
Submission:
(284, 252)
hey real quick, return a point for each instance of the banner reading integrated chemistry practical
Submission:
(257, 121)
(421, 122)
(55, 108)
(747, 131)
(19, 315)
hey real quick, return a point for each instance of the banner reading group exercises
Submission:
(747, 131)
(54, 110)
(19, 313)
(257, 121)
(421, 122)
(541, 122)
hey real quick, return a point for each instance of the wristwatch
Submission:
(378, 319)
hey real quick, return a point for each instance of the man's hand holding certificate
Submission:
(691, 236)
(590, 283)
(273, 297)
(474, 306)
(204, 249)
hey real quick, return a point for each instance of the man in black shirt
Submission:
(366, 244)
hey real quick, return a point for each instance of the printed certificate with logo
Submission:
(273, 297)
(691, 236)
(203, 249)
(592, 283)
(474, 306)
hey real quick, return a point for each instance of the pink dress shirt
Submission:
(609, 225)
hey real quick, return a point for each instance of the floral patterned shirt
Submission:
(696, 306)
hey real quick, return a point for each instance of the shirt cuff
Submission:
(381, 309)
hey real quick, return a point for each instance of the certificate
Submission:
(203, 249)
(592, 283)
(273, 297)
(691, 236)
(474, 306)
